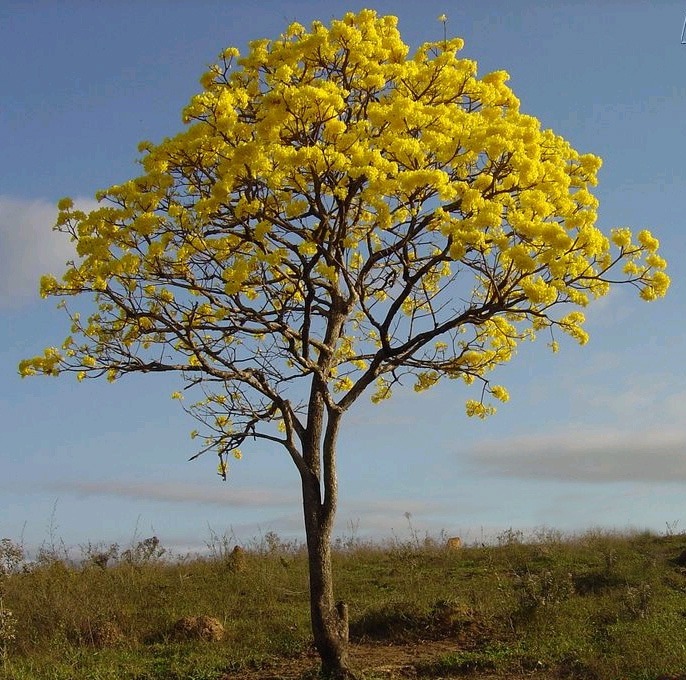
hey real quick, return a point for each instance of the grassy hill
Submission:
(600, 605)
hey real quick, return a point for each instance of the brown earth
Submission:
(392, 661)
(198, 628)
(102, 634)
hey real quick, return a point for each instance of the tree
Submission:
(336, 218)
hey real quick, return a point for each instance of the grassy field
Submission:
(598, 605)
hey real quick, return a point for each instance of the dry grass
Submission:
(598, 605)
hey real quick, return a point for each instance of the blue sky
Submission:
(593, 436)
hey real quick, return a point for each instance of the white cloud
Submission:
(30, 248)
(378, 517)
(611, 310)
(630, 394)
(600, 456)
(227, 495)
(636, 396)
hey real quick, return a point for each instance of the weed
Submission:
(99, 554)
(598, 605)
(637, 600)
(544, 589)
(12, 557)
(8, 628)
(671, 528)
(145, 551)
(510, 537)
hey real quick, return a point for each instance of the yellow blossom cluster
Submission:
(338, 206)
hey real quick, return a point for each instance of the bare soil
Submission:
(392, 661)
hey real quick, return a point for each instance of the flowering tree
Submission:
(335, 218)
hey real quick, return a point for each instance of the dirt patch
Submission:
(391, 661)
(102, 634)
(198, 628)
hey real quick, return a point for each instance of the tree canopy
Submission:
(338, 210)
(337, 217)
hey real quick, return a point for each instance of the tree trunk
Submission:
(329, 619)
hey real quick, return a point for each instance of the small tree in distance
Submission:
(335, 218)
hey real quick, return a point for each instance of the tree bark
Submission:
(329, 619)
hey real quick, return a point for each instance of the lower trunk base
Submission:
(337, 672)
(335, 656)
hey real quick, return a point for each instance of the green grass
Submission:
(599, 605)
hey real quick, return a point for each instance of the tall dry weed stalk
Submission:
(8, 628)
(11, 557)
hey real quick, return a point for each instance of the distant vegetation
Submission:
(599, 605)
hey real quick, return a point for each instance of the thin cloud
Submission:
(610, 310)
(177, 492)
(30, 248)
(674, 405)
(632, 395)
(657, 456)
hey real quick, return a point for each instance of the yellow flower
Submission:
(307, 248)
(500, 393)
(368, 193)
(648, 241)
(477, 408)
(621, 237)
(426, 380)
(343, 384)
